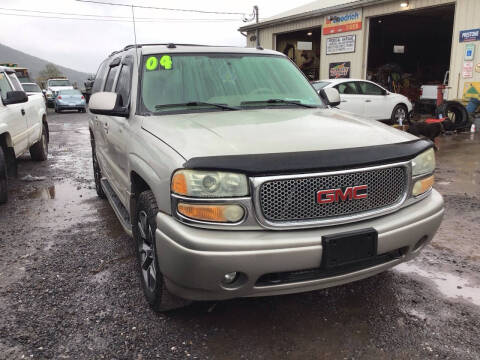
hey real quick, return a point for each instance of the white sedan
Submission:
(369, 100)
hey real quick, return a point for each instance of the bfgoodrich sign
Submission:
(343, 22)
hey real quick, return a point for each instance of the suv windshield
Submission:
(59, 83)
(219, 82)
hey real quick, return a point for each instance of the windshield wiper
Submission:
(196, 103)
(278, 101)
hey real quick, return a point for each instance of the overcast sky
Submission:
(82, 44)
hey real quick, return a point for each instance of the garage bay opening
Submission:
(411, 49)
(303, 47)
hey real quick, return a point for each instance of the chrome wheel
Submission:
(147, 251)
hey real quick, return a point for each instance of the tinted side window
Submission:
(101, 73)
(369, 88)
(111, 78)
(4, 86)
(348, 88)
(124, 83)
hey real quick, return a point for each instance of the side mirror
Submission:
(331, 96)
(15, 97)
(384, 92)
(44, 91)
(107, 103)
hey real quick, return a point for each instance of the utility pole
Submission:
(255, 14)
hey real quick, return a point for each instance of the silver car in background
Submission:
(70, 100)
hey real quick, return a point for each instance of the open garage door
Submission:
(303, 47)
(410, 49)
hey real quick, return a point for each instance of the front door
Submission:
(376, 101)
(350, 98)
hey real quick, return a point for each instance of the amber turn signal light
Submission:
(423, 185)
(179, 184)
(212, 213)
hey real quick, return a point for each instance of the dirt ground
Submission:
(69, 287)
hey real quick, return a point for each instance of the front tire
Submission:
(153, 284)
(3, 177)
(399, 115)
(39, 150)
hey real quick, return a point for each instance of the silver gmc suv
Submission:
(236, 179)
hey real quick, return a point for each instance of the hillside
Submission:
(35, 64)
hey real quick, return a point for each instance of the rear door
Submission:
(350, 98)
(377, 104)
(14, 117)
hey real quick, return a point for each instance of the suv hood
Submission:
(268, 131)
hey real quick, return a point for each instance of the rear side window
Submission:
(4, 86)
(100, 77)
(124, 83)
(111, 78)
(16, 84)
(347, 88)
(370, 89)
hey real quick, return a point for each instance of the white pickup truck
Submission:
(23, 126)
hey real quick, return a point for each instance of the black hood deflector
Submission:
(311, 161)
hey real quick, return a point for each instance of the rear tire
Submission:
(399, 112)
(97, 173)
(153, 284)
(39, 150)
(3, 177)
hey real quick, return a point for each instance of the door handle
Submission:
(368, 100)
(344, 101)
(23, 112)
(105, 127)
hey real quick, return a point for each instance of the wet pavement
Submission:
(69, 286)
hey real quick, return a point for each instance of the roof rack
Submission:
(170, 45)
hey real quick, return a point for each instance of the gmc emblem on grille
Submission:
(335, 195)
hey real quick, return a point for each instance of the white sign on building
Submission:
(341, 44)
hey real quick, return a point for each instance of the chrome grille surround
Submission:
(278, 192)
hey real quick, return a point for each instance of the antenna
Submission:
(135, 35)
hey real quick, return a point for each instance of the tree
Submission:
(49, 72)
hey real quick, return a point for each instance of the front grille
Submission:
(295, 199)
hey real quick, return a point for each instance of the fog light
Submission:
(422, 186)
(229, 278)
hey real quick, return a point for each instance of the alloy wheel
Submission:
(147, 251)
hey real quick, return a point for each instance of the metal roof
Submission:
(313, 9)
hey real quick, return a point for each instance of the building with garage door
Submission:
(400, 44)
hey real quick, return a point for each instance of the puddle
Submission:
(450, 285)
(61, 191)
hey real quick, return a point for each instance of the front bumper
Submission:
(194, 261)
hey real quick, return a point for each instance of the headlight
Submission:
(209, 184)
(423, 166)
(424, 163)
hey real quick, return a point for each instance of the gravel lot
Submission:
(69, 286)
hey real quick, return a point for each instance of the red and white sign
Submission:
(343, 22)
(467, 69)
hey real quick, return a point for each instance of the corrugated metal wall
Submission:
(467, 16)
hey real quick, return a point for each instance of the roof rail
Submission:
(131, 46)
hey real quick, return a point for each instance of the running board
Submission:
(120, 210)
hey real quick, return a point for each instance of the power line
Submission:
(120, 20)
(103, 16)
(162, 8)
